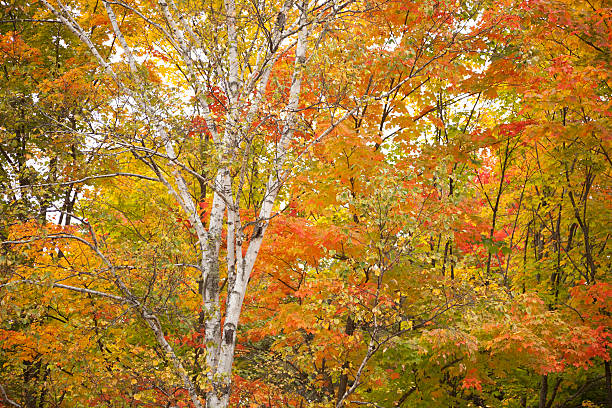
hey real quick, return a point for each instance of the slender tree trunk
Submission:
(495, 208)
(608, 383)
(543, 391)
(342, 384)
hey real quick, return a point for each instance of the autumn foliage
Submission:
(442, 224)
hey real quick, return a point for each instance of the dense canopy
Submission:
(305, 203)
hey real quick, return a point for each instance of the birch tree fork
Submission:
(239, 60)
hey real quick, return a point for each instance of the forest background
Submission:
(305, 203)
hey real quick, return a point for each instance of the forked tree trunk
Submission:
(219, 341)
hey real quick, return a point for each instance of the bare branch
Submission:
(6, 399)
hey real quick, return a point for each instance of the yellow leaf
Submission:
(406, 325)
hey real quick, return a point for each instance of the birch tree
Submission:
(233, 48)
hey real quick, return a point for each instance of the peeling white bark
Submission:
(237, 291)
(245, 99)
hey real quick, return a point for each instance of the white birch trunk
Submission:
(244, 103)
(237, 291)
